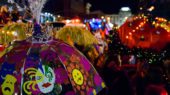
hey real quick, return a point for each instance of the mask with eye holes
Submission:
(45, 79)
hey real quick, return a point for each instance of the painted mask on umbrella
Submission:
(45, 79)
(8, 85)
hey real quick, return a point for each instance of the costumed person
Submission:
(15, 15)
(103, 30)
(30, 26)
(88, 26)
(132, 59)
(4, 15)
(20, 19)
(101, 43)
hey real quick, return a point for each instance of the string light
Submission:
(8, 32)
(137, 28)
(130, 33)
(127, 37)
(3, 32)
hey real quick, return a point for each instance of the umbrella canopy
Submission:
(51, 68)
(76, 35)
(12, 32)
(140, 31)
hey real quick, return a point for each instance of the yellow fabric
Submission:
(76, 35)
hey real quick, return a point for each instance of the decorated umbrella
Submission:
(41, 65)
(76, 35)
(12, 32)
(142, 31)
(47, 67)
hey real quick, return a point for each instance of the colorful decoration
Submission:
(36, 7)
(45, 79)
(2, 48)
(6, 68)
(53, 68)
(77, 76)
(143, 32)
(8, 85)
(12, 32)
(94, 23)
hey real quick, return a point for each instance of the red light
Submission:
(164, 92)
(130, 33)
(127, 37)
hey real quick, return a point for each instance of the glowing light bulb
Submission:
(8, 32)
(3, 32)
(127, 37)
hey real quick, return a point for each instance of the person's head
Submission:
(4, 9)
(20, 17)
(34, 21)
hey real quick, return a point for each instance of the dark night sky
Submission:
(112, 6)
(107, 6)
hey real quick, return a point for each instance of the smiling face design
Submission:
(45, 79)
(8, 85)
(77, 77)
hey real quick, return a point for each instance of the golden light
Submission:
(130, 33)
(108, 18)
(14, 33)
(151, 8)
(141, 8)
(137, 28)
(143, 15)
(8, 32)
(68, 21)
(102, 17)
(3, 32)
(133, 30)
(58, 16)
(77, 20)
(161, 19)
(127, 37)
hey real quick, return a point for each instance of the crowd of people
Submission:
(123, 71)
